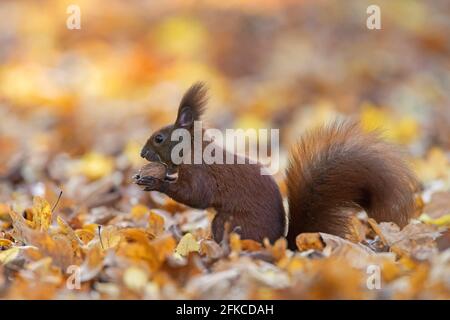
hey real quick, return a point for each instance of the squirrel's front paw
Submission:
(150, 176)
(149, 183)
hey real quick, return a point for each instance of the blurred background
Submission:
(76, 106)
(83, 102)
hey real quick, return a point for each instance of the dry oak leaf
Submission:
(67, 230)
(57, 246)
(355, 254)
(138, 246)
(42, 214)
(437, 210)
(415, 239)
(110, 237)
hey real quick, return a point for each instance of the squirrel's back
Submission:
(339, 168)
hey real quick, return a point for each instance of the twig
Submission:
(100, 236)
(57, 201)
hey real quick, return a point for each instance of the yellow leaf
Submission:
(406, 130)
(95, 166)
(67, 230)
(373, 118)
(235, 242)
(139, 211)
(85, 235)
(402, 130)
(187, 244)
(92, 264)
(110, 237)
(91, 227)
(307, 241)
(4, 210)
(135, 278)
(250, 245)
(164, 245)
(180, 36)
(42, 214)
(155, 224)
(441, 221)
(5, 243)
(136, 245)
(8, 255)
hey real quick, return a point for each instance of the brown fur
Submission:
(339, 167)
(195, 99)
(239, 193)
(332, 169)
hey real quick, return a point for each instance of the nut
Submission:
(153, 169)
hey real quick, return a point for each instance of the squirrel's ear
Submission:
(192, 105)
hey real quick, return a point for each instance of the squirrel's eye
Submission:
(159, 138)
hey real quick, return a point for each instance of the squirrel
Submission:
(334, 170)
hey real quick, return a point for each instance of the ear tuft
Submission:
(195, 100)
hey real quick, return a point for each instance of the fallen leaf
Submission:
(211, 249)
(9, 255)
(42, 214)
(135, 278)
(307, 241)
(155, 224)
(139, 211)
(110, 237)
(442, 221)
(95, 165)
(187, 244)
(5, 243)
(415, 239)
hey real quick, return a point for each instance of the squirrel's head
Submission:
(159, 146)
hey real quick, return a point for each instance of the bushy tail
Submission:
(339, 167)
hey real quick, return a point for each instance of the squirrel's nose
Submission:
(144, 153)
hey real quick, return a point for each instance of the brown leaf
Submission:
(307, 241)
(416, 239)
(155, 224)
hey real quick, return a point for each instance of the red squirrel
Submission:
(333, 170)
